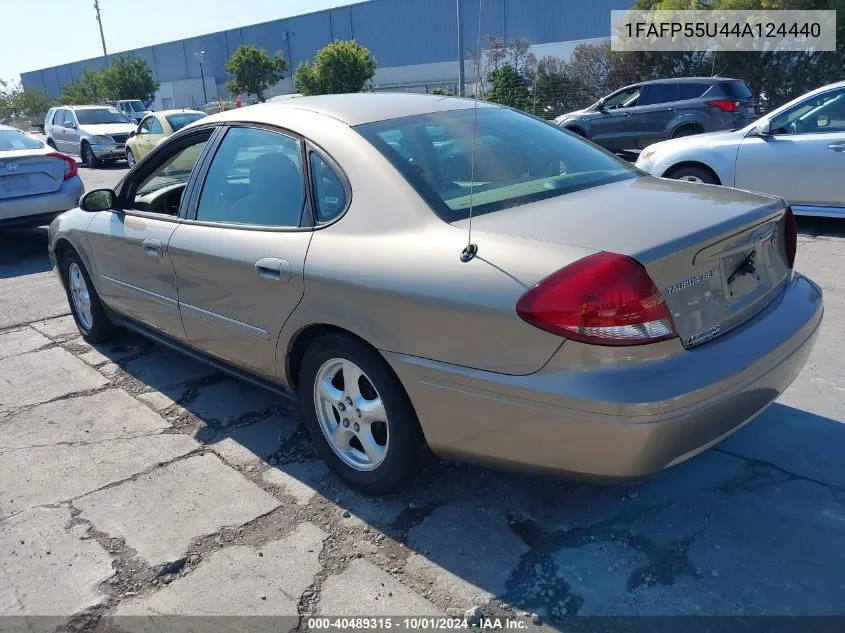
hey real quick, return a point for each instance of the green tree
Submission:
(129, 78)
(442, 93)
(508, 88)
(340, 67)
(84, 90)
(555, 90)
(254, 71)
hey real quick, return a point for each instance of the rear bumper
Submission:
(38, 210)
(622, 420)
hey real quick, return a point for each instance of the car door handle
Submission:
(152, 247)
(274, 269)
(837, 147)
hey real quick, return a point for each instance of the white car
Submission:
(796, 152)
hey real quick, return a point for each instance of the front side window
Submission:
(146, 126)
(161, 189)
(254, 179)
(818, 115)
(625, 99)
(155, 126)
(99, 116)
(518, 159)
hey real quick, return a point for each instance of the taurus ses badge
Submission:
(747, 267)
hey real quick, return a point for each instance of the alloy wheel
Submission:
(80, 296)
(351, 414)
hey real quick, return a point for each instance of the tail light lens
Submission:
(790, 236)
(724, 105)
(71, 169)
(603, 299)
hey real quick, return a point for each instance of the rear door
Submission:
(240, 258)
(650, 121)
(803, 160)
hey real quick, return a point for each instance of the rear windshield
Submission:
(178, 121)
(518, 159)
(736, 90)
(98, 116)
(11, 140)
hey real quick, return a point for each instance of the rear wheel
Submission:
(358, 415)
(88, 156)
(85, 304)
(691, 173)
(688, 130)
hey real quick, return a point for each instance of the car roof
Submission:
(178, 111)
(685, 80)
(352, 109)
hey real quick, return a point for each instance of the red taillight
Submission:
(790, 236)
(603, 299)
(70, 165)
(724, 105)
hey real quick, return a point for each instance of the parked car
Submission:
(644, 113)
(36, 182)
(596, 321)
(133, 109)
(154, 128)
(96, 133)
(796, 152)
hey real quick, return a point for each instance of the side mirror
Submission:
(132, 133)
(97, 200)
(763, 128)
(600, 105)
(70, 125)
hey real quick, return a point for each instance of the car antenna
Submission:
(470, 250)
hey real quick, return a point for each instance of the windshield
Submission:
(11, 140)
(137, 106)
(518, 159)
(178, 121)
(97, 116)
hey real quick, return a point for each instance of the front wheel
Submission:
(85, 304)
(692, 173)
(358, 415)
(88, 156)
(130, 158)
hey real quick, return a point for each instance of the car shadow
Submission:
(818, 227)
(23, 252)
(751, 527)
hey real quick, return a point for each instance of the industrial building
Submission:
(415, 43)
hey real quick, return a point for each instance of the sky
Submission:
(37, 34)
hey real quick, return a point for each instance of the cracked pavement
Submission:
(135, 481)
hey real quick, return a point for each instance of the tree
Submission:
(443, 93)
(497, 53)
(340, 67)
(84, 90)
(129, 78)
(508, 88)
(254, 71)
(555, 90)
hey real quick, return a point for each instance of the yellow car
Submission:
(154, 128)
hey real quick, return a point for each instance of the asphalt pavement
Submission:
(134, 481)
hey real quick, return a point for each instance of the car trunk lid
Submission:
(29, 173)
(717, 255)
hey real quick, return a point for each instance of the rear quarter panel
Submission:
(389, 271)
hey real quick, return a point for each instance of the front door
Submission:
(61, 134)
(134, 268)
(239, 263)
(610, 128)
(803, 159)
(143, 138)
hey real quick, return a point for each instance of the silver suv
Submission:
(95, 133)
(638, 115)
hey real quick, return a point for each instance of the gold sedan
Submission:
(156, 127)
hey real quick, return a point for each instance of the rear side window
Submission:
(659, 93)
(329, 195)
(736, 90)
(692, 91)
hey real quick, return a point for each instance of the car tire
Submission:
(130, 158)
(88, 156)
(333, 416)
(687, 130)
(85, 305)
(691, 173)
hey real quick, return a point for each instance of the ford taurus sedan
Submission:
(425, 270)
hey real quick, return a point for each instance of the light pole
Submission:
(461, 78)
(102, 36)
(200, 55)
